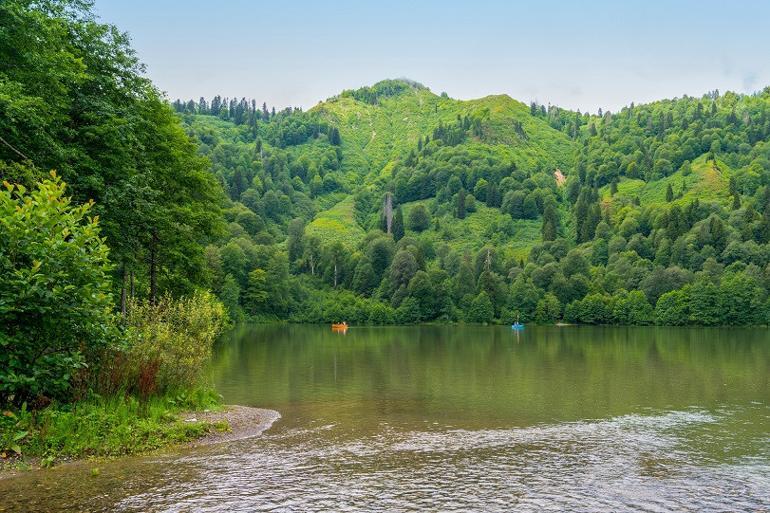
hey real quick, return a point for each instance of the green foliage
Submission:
(73, 97)
(632, 309)
(382, 89)
(737, 299)
(408, 312)
(602, 216)
(256, 295)
(398, 225)
(337, 224)
(548, 309)
(673, 308)
(169, 344)
(592, 309)
(330, 306)
(481, 310)
(104, 427)
(582, 217)
(55, 302)
(419, 218)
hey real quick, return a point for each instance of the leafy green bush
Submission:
(13, 431)
(481, 310)
(169, 344)
(548, 309)
(55, 302)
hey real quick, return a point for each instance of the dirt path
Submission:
(559, 177)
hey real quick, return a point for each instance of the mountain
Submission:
(385, 125)
(504, 208)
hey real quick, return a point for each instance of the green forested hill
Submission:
(376, 132)
(499, 209)
(391, 203)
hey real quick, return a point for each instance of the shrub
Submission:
(419, 219)
(55, 303)
(632, 308)
(481, 310)
(673, 308)
(548, 309)
(380, 314)
(169, 343)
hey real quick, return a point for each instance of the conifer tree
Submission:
(398, 225)
(460, 207)
(550, 223)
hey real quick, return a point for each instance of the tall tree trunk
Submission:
(131, 279)
(123, 291)
(154, 268)
(387, 208)
(335, 275)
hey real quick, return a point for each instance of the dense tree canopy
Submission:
(623, 236)
(73, 98)
(402, 204)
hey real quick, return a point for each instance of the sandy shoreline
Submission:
(242, 421)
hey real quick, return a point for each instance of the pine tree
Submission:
(398, 225)
(460, 211)
(493, 195)
(669, 194)
(550, 223)
(387, 213)
(419, 219)
(334, 136)
(581, 213)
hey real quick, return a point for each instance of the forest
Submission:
(391, 204)
(106, 318)
(126, 216)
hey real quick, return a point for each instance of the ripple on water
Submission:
(629, 463)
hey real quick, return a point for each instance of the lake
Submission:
(462, 418)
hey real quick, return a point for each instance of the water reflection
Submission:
(463, 418)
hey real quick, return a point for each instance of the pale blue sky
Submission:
(577, 54)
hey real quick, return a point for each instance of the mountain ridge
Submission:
(560, 214)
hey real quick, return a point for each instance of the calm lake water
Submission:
(448, 418)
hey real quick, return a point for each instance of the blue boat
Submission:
(517, 326)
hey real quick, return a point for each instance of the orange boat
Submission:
(341, 326)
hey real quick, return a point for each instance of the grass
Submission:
(706, 182)
(513, 238)
(114, 426)
(337, 224)
(374, 135)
